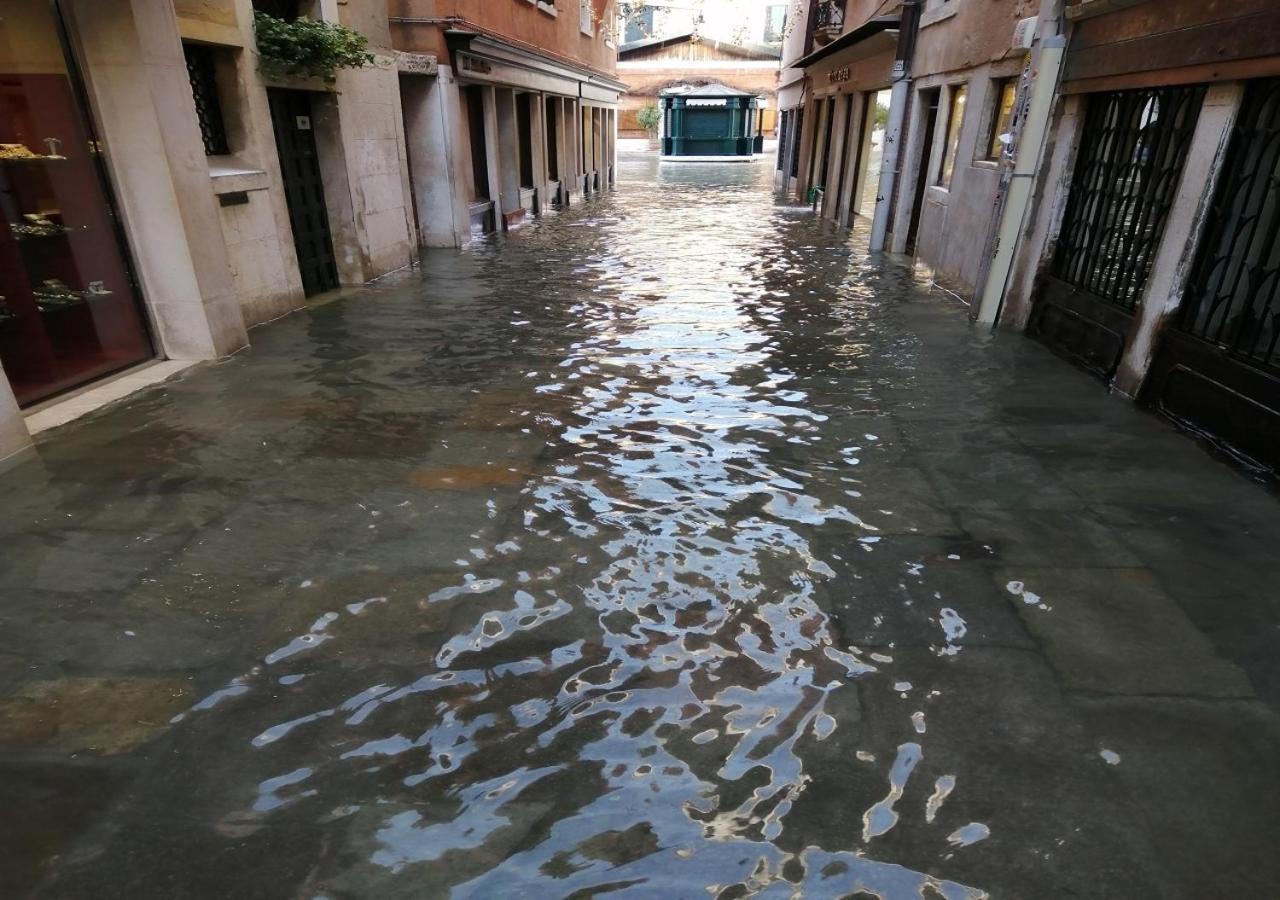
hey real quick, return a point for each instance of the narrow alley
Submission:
(669, 546)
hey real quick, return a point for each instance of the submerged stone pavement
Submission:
(670, 547)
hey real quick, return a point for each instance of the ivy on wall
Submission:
(305, 48)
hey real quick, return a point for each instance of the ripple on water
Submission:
(640, 681)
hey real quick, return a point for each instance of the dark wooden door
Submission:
(1218, 368)
(303, 189)
(1132, 151)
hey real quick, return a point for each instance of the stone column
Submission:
(493, 153)
(568, 156)
(1176, 254)
(434, 137)
(856, 160)
(538, 146)
(508, 150)
(597, 123)
(1048, 204)
(613, 147)
(835, 157)
(137, 81)
(806, 138)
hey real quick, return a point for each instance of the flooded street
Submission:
(668, 547)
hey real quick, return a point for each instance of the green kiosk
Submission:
(710, 122)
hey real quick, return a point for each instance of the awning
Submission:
(482, 57)
(872, 37)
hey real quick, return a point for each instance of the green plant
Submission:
(305, 48)
(648, 118)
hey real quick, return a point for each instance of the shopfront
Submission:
(69, 307)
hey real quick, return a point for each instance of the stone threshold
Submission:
(91, 397)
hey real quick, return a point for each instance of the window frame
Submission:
(993, 131)
(206, 97)
(943, 178)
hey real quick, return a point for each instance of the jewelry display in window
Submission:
(36, 226)
(17, 151)
(53, 295)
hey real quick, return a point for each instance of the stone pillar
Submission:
(1048, 204)
(508, 151)
(368, 145)
(855, 159)
(613, 147)
(568, 165)
(434, 137)
(538, 146)
(806, 138)
(835, 157)
(137, 81)
(1177, 251)
(575, 144)
(493, 152)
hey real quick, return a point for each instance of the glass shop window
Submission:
(68, 310)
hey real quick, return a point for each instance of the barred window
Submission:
(202, 72)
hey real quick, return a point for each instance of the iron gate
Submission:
(1132, 150)
(1219, 366)
(303, 189)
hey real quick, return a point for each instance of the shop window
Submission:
(999, 137)
(552, 127)
(955, 119)
(68, 310)
(202, 71)
(524, 136)
(473, 97)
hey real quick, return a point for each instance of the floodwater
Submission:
(671, 546)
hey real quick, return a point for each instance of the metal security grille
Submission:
(1233, 297)
(201, 71)
(1132, 151)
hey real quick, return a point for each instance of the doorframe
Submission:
(337, 274)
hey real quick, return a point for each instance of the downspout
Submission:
(1013, 201)
(901, 90)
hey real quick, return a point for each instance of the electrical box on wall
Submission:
(1024, 33)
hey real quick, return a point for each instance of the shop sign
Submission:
(835, 76)
(415, 63)
(471, 64)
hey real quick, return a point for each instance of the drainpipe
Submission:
(1013, 201)
(893, 129)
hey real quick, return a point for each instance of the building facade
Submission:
(1103, 174)
(1151, 255)
(519, 114)
(836, 107)
(162, 196)
(966, 65)
(653, 65)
